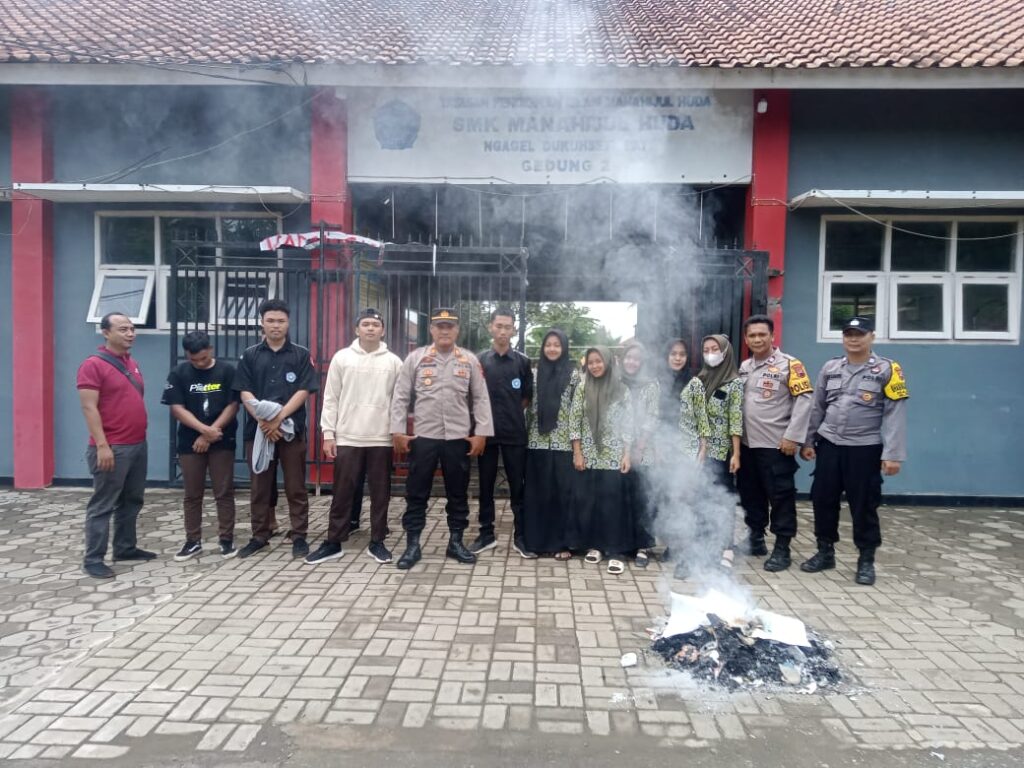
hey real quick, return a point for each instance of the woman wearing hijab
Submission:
(603, 520)
(548, 496)
(719, 386)
(643, 398)
(674, 377)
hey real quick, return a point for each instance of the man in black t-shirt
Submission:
(202, 399)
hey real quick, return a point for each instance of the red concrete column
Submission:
(768, 193)
(32, 294)
(330, 203)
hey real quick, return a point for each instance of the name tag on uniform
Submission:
(768, 384)
(462, 372)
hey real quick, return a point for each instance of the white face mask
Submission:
(714, 359)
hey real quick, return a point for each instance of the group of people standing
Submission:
(583, 446)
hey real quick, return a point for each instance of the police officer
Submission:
(858, 426)
(509, 388)
(777, 403)
(449, 388)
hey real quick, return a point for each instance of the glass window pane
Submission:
(985, 246)
(920, 246)
(178, 232)
(241, 296)
(986, 307)
(122, 293)
(192, 301)
(853, 245)
(248, 232)
(126, 240)
(919, 307)
(850, 299)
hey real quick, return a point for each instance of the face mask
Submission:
(714, 359)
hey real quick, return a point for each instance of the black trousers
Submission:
(424, 456)
(514, 459)
(855, 469)
(766, 481)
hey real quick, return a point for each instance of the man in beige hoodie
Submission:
(357, 434)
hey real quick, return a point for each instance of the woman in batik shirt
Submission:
(643, 397)
(549, 472)
(719, 387)
(603, 522)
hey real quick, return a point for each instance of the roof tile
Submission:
(588, 33)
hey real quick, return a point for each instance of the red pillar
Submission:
(32, 294)
(768, 193)
(330, 202)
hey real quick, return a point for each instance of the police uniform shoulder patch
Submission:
(896, 388)
(799, 381)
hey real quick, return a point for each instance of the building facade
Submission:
(893, 188)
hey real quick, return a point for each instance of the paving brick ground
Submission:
(212, 656)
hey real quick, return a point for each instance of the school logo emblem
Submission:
(290, 377)
(396, 125)
(516, 384)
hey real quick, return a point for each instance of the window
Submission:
(922, 277)
(127, 291)
(134, 252)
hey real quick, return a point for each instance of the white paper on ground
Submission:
(783, 629)
(689, 612)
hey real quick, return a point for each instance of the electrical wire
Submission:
(895, 228)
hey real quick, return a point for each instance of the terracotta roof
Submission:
(620, 33)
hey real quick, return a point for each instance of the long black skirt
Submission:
(547, 500)
(643, 506)
(604, 514)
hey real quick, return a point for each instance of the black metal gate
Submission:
(217, 287)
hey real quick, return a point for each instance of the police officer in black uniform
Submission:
(856, 434)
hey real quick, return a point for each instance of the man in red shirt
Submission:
(110, 389)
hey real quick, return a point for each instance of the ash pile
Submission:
(720, 640)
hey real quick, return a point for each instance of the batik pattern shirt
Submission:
(725, 417)
(617, 429)
(644, 417)
(693, 417)
(558, 439)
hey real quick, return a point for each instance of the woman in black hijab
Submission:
(548, 495)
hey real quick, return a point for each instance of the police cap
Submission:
(860, 323)
(444, 315)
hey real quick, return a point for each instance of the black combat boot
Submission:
(822, 560)
(866, 568)
(780, 559)
(457, 550)
(754, 545)
(412, 554)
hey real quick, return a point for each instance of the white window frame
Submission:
(840, 278)
(159, 272)
(218, 305)
(1013, 306)
(888, 280)
(920, 278)
(147, 292)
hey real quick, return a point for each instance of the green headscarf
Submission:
(600, 393)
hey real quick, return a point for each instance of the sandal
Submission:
(642, 558)
(616, 566)
(726, 561)
(593, 556)
(563, 555)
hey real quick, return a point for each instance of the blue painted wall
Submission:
(100, 130)
(965, 410)
(101, 133)
(6, 364)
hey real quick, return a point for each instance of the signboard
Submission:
(540, 137)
